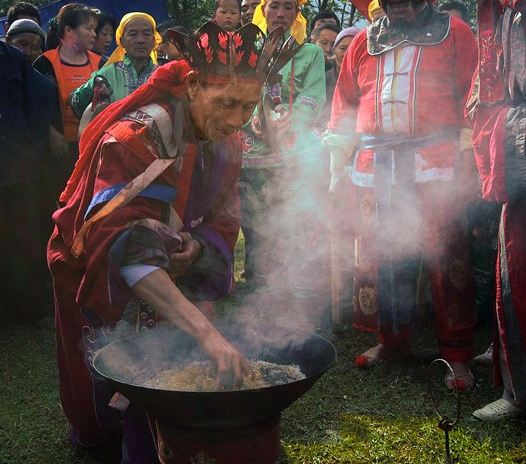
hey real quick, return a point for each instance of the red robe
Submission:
(89, 291)
(488, 111)
(409, 92)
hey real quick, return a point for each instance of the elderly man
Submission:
(28, 37)
(248, 7)
(324, 37)
(129, 66)
(176, 138)
(399, 101)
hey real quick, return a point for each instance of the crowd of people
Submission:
(374, 169)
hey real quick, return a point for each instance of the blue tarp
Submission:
(116, 8)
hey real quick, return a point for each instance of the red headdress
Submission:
(211, 51)
(220, 55)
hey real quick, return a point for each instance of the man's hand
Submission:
(231, 365)
(58, 145)
(159, 291)
(255, 124)
(180, 261)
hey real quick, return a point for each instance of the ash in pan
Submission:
(200, 376)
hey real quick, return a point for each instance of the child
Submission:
(228, 14)
(167, 51)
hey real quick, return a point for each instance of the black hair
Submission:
(324, 14)
(22, 9)
(456, 5)
(103, 19)
(218, 2)
(72, 15)
(331, 27)
(163, 27)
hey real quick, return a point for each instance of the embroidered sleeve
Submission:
(309, 102)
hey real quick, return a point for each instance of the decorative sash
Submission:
(163, 123)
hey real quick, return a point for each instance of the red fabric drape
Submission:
(167, 79)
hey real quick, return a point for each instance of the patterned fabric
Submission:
(304, 77)
(133, 79)
(488, 88)
(387, 265)
(140, 315)
(515, 152)
(147, 120)
(513, 65)
(122, 77)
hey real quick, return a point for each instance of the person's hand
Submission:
(279, 134)
(181, 260)
(58, 145)
(280, 124)
(255, 124)
(231, 366)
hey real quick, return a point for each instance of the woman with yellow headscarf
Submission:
(280, 153)
(129, 66)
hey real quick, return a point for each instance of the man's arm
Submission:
(158, 290)
(342, 126)
(81, 97)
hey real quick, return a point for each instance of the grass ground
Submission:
(381, 416)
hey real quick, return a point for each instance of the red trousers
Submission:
(430, 226)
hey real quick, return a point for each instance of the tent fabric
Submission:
(155, 8)
(361, 6)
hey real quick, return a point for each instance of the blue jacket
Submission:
(24, 117)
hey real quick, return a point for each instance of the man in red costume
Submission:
(397, 114)
(497, 109)
(150, 220)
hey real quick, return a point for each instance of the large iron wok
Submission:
(156, 349)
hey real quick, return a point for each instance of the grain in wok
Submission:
(200, 376)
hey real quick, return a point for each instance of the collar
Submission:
(431, 28)
(126, 61)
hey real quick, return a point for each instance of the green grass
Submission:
(381, 416)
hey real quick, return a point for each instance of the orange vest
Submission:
(69, 78)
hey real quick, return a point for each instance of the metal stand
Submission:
(445, 423)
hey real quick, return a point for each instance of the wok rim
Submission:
(315, 375)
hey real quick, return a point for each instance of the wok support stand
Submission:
(254, 443)
(446, 425)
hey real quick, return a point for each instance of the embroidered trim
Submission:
(313, 103)
(159, 192)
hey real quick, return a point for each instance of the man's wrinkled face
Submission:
(218, 111)
(325, 40)
(403, 11)
(29, 44)
(280, 13)
(138, 39)
(248, 8)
